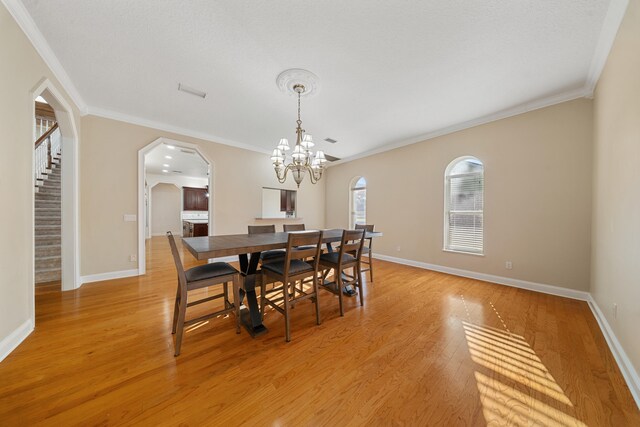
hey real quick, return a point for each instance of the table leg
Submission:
(250, 317)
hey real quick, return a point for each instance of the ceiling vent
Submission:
(191, 91)
(331, 158)
(187, 151)
(330, 140)
(176, 171)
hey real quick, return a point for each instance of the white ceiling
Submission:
(390, 71)
(183, 162)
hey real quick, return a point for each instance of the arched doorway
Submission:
(144, 216)
(69, 185)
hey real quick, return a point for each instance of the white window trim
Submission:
(445, 216)
(352, 188)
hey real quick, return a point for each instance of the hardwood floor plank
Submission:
(426, 349)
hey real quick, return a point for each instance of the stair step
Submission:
(44, 191)
(47, 263)
(47, 230)
(48, 250)
(47, 240)
(44, 194)
(47, 205)
(47, 212)
(48, 221)
(48, 275)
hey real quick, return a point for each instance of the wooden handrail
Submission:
(46, 135)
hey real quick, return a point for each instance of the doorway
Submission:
(68, 200)
(174, 192)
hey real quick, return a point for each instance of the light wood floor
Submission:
(426, 349)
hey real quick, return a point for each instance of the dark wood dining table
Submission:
(248, 248)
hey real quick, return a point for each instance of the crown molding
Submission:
(610, 27)
(127, 118)
(30, 29)
(503, 114)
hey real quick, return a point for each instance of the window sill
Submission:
(463, 252)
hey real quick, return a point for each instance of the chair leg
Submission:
(316, 298)
(175, 311)
(339, 282)
(287, 329)
(236, 300)
(225, 287)
(371, 265)
(182, 309)
(359, 276)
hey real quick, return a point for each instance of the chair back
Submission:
(366, 227)
(293, 227)
(182, 278)
(296, 247)
(352, 243)
(262, 229)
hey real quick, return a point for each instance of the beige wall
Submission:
(166, 206)
(537, 196)
(108, 189)
(615, 269)
(21, 71)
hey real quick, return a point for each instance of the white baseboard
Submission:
(508, 281)
(13, 340)
(109, 276)
(626, 367)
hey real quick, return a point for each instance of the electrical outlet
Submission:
(615, 310)
(133, 258)
(508, 265)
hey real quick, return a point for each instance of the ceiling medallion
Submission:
(287, 80)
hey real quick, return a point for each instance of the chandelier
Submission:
(302, 159)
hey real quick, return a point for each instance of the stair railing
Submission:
(46, 148)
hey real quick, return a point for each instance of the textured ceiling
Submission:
(389, 70)
(182, 162)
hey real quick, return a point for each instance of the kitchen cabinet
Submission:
(195, 228)
(287, 201)
(195, 199)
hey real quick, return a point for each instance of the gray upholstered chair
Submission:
(291, 272)
(267, 256)
(348, 256)
(367, 250)
(202, 276)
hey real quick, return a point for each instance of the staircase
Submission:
(48, 226)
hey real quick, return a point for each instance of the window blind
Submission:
(464, 212)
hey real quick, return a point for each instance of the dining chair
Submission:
(289, 271)
(293, 227)
(202, 276)
(348, 256)
(271, 255)
(367, 249)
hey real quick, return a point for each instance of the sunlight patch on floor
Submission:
(510, 375)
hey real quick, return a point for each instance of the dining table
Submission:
(248, 248)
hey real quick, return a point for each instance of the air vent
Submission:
(191, 91)
(185, 151)
(330, 140)
(176, 171)
(331, 158)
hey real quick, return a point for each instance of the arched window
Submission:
(464, 206)
(358, 201)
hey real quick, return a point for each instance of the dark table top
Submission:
(235, 244)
